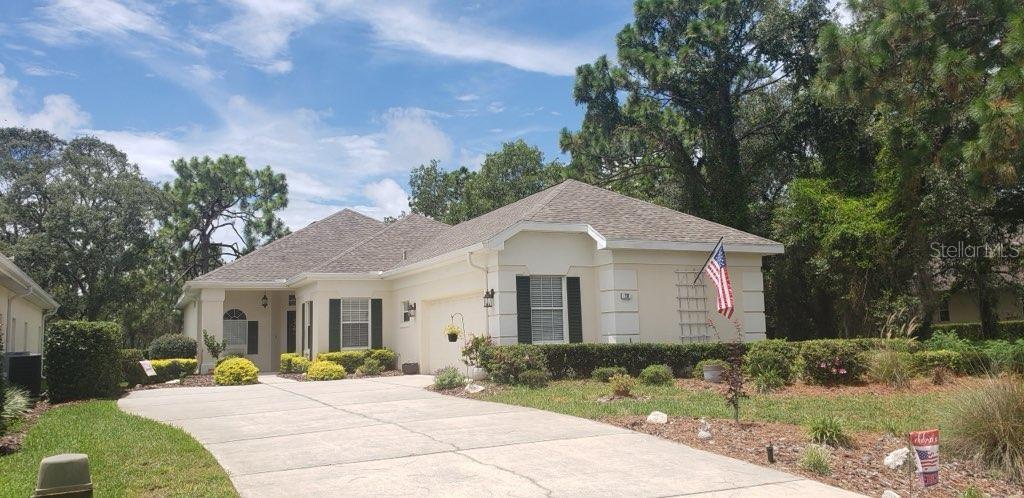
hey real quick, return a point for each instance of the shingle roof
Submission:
(614, 216)
(386, 249)
(299, 251)
(348, 242)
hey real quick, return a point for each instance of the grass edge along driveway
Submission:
(128, 455)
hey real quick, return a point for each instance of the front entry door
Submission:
(290, 326)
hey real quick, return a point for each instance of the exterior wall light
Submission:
(489, 298)
(412, 310)
(264, 301)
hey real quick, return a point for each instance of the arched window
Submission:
(234, 314)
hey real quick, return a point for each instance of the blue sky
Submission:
(343, 96)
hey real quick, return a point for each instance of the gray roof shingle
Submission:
(349, 242)
(299, 251)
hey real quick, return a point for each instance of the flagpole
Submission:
(712, 253)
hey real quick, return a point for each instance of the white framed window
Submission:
(548, 314)
(944, 309)
(236, 332)
(355, 323)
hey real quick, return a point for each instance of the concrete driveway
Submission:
(390, 437)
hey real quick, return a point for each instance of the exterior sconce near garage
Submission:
(264, 301)
(489, 298)
(412, 310)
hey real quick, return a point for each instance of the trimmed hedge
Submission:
(775, 355)
(82, 359)
(353, 359)
(325, 370)
(579, 360)
(170, 346)
(506, 364)
(235, 372)
(285, 364)
(656, 375)
(173, 368)
(300, 364)
(604, 374)
(1010, 330)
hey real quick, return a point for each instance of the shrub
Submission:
(174, 368)
(14, 403)
(131, 370)
(894, 368)
(229, 357)
(82, 359)
(816, 459)
(370, 366)
(299, 364)
(581, 359)
(767, 380)
(656, 375)
(698, 371)
(172, 346)
(385, 357)
(603, 374)
(473, 351)
(505, 363)
(947, 340)
(534, 378)
(285, 364)
(350, 360)
(1010, 330)
(449, 378)
(984, 424)
(215, 348)
(926, 361)
(325, 370)
(828, 430)
(830, 362)
(622, 384)
(776, 355)
(235, 372)
(1005, 356)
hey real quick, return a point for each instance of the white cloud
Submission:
(36, 70)
(69, 21)
(260, 30)
(59, 114)
(389, 199)
(469, 97)
(203, 72)
(495, 107)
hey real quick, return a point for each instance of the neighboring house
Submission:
(24, 307)
(961, 306)
(573, 263)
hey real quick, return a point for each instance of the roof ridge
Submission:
(554, 191)
(279, 239)
(368, 239)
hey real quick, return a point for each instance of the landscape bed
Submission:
(872, 414)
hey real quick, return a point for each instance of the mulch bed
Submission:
(11, 441)
(205, 380)
(857, 469)
(301, 377)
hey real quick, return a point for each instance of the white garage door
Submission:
(440, 352)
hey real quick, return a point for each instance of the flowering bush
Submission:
(832, 362)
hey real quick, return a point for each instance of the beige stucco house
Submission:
(24, 307)
(569, 264)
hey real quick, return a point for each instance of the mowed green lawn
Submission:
(128, 455)
(860, 412)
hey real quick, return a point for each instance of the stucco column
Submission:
(620, 317)
(321, 315)
(211, 318)
(501, 319)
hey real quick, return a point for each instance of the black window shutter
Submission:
(254, 337)
(334, 325)
(572, 291)
(523, 309)
(302, 328)
(376, 327)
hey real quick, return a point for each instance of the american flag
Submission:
(719, 274)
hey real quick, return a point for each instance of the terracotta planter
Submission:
(713, 373)
(453, 337)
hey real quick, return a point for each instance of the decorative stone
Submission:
(474, 388)
(657, 417)
(704, 432)
(174, 381)
(890, 494)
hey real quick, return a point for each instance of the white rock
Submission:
(704, 432)
(890, 494)
(657, 418)
(474, 388)
(175, 381)
(897, 458)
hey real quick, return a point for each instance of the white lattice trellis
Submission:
(693, 306)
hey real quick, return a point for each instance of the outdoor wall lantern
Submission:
(412, 310)
(489, 298)
(264, 301)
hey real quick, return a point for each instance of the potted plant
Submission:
(452, 331)
(712, 370)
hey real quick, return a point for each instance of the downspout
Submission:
(487, 318)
